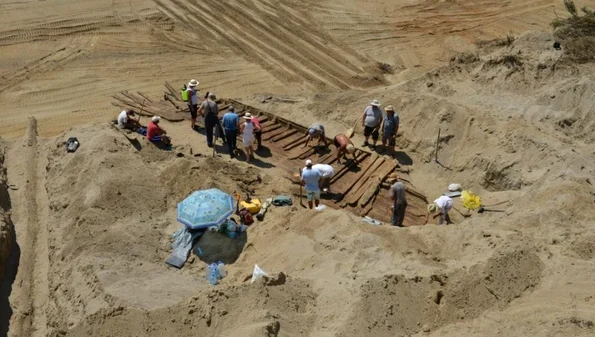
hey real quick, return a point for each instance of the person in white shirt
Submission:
(247, 130)
(439, 208)
(193, 101)
(125, 121)
(327, 173)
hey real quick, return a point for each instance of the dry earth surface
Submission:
(94, 227)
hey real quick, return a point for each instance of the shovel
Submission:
(465, 215)
(482, 209)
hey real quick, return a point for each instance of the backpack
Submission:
(245, 217)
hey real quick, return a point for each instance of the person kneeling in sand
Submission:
(155, 133)
(344, 146)
(247, 130)
(439, 209)
(125, 120)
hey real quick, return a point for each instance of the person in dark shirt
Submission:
(390, 127)
(231, 124)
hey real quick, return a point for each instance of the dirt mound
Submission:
(401, 306)
(265, 308)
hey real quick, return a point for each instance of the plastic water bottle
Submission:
(213, 277)
(212, 268)
(208, 272)
(221, 268)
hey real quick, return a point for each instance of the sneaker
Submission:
(365, 143)
(372, 147)
(209, 145)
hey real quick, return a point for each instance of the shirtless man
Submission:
(344, 146)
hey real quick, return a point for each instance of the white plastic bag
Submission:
(258, 273)
(454, 187)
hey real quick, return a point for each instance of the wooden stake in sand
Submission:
(437, 146)
(301, 187)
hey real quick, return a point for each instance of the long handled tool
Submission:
(466, 215)
(437, 147)
(301, 187)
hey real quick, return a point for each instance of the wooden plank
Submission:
(346, 168)
(362, 182)
(356, 184)
(171, 89)
(282, 136)
(271, 128)
(303, 154)
(377, 180)
(145, 97)
(293, 143)
(270, 135)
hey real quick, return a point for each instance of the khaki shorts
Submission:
(313, 195)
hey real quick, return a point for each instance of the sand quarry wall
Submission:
(6, 228)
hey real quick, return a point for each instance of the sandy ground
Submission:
(94, 227)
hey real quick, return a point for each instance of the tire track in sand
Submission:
(289, 47)
(38, 67)
(94, 25)
(30, 290)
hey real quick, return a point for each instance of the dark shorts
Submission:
(371, 131)
(390, 139)
(337, 145)
(193, 110)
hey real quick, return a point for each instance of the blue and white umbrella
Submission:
(205, 208)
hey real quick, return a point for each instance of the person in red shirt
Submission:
(155, 133)
(257, 134)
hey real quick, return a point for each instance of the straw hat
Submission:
(308, 162)
(389, 108)
(432, 208)
(156, 119)
(248, 116)
(350, 149)
(375, 103)
(193, 83)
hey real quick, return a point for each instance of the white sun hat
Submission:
(375, 103)
(193, 83)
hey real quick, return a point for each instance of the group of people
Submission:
(437, 210)
(154, 132)
(374, 121)
(316, 177)
(250, 128)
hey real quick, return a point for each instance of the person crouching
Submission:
(155, 133)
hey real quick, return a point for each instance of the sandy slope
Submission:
(62, 60)
(93, 228)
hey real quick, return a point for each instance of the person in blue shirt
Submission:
(311, 179)
(231, 123)
(390, 127)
